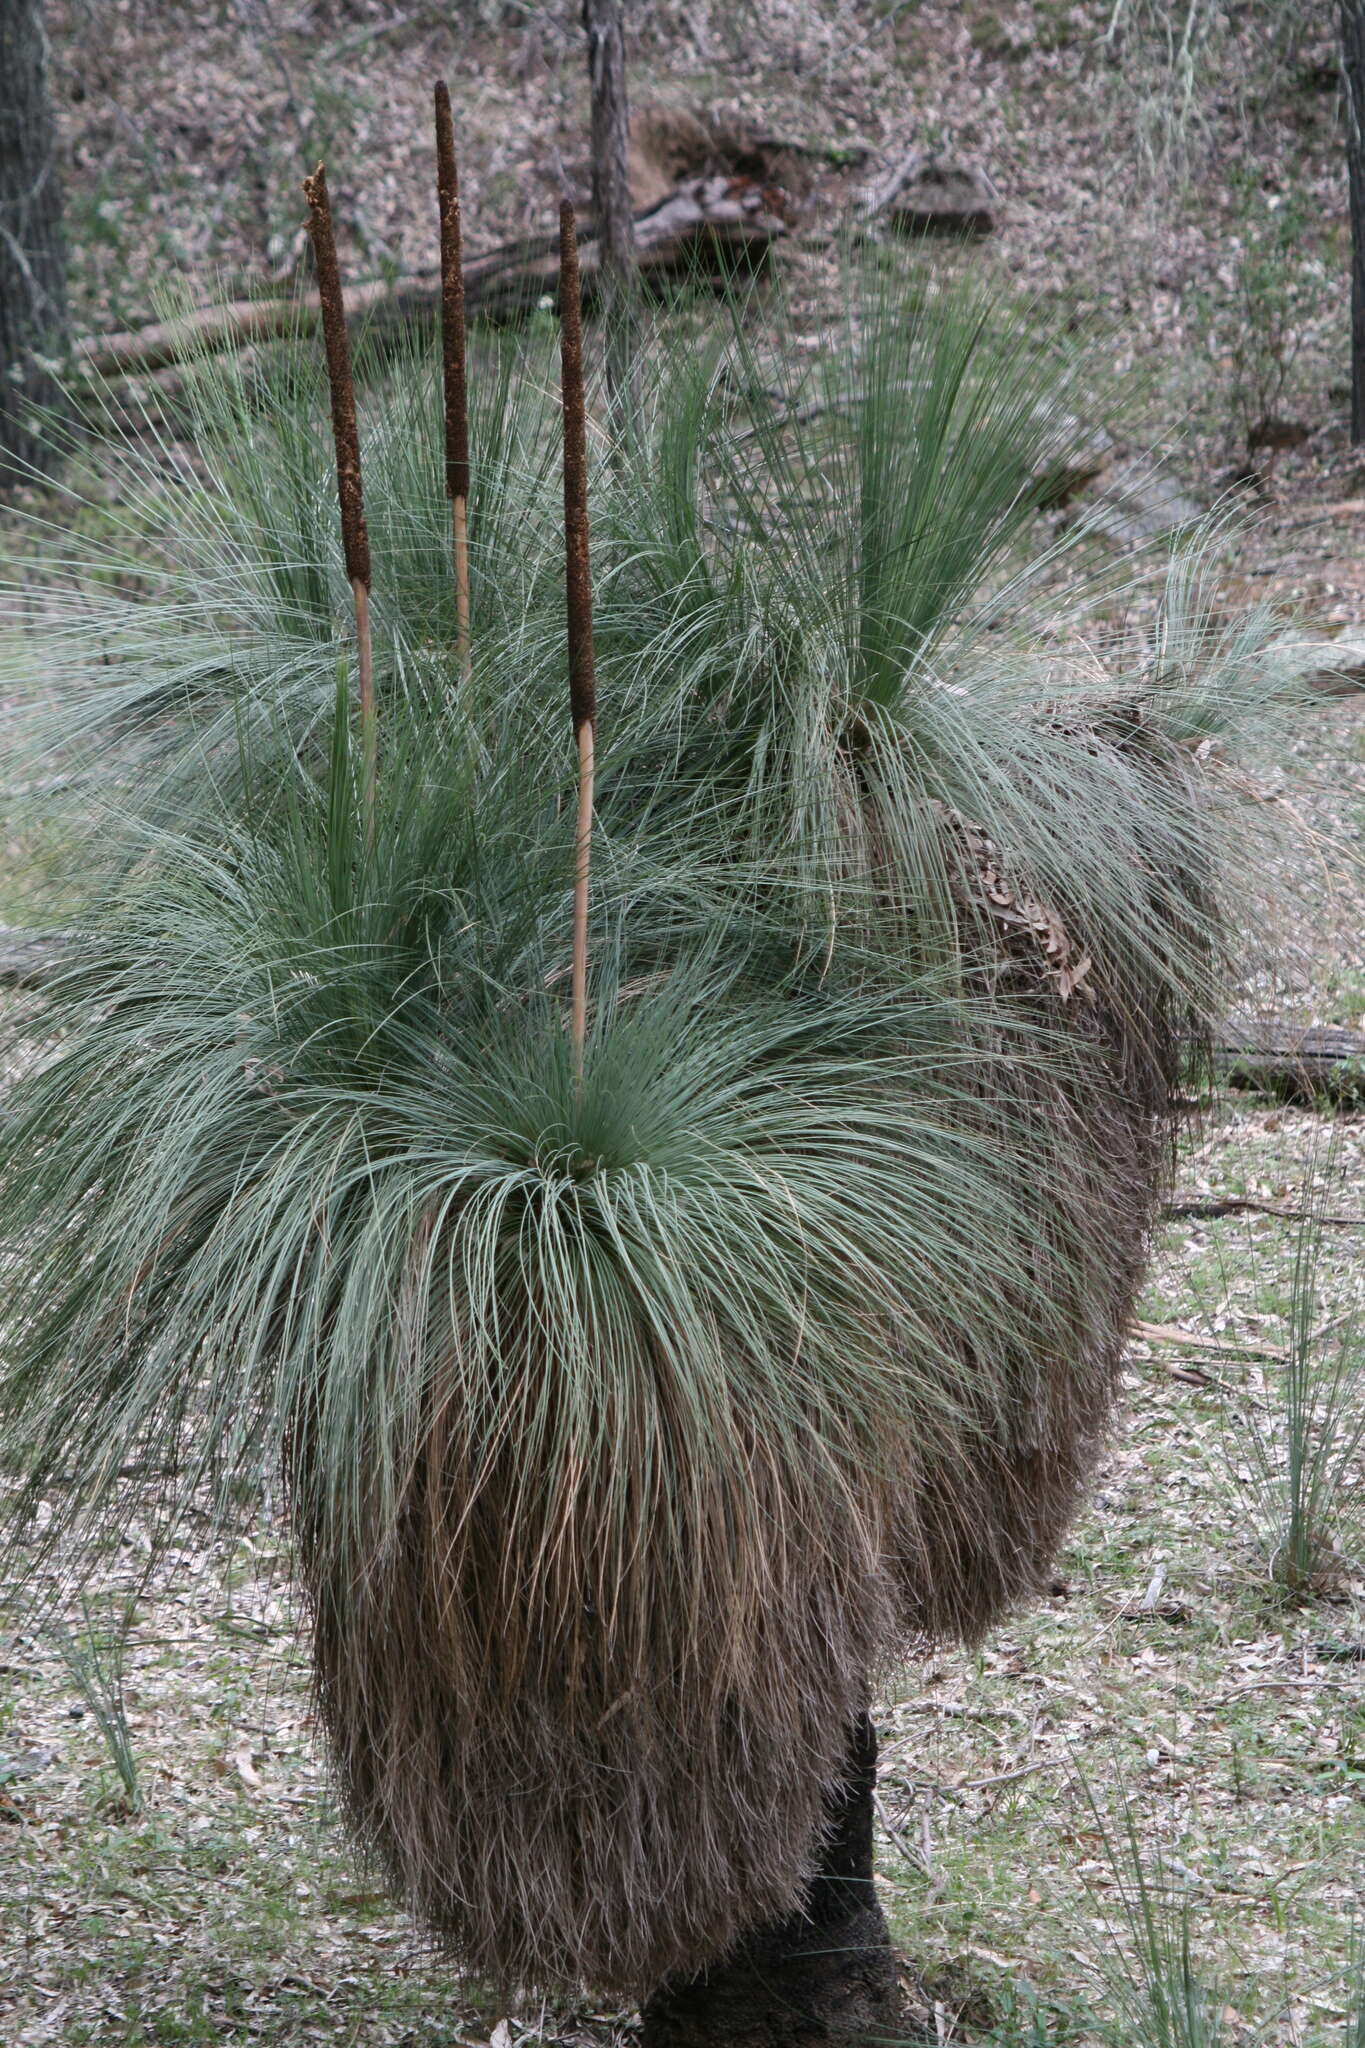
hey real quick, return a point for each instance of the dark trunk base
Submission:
(827, 1975)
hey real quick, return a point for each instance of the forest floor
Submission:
(171, 1869)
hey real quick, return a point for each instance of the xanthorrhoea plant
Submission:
(837, 591)
(631, 1419)
(639, 1395)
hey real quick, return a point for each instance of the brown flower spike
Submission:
(578, 574)
(578, 593)
(355, 538)
(354, 533)
(453, 357)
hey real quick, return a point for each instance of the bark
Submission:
(32, 255)
(828, 1975)
(1353, 67)
(602, 19)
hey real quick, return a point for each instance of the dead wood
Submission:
(1213, 1206)
(708, 227)
(1301, 1063)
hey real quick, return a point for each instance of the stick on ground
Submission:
(355, 538)
(578, 593)
(453, 361)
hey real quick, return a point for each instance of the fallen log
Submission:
(1299, 1063)
(711, 228)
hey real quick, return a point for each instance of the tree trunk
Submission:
(603, 22)
(32, 257)
(827, 1975)
(1353, 67)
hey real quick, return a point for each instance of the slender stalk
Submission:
(453, 362)
(355, 538)
(578, 594)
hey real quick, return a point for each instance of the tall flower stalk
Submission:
(355, 538)
(453, 363)
(578, 594)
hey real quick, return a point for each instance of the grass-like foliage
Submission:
(1354, 2036)
(94, 1662)
(1163, 1992)
(194, 598)
(630, 1422)
(1297, 1449)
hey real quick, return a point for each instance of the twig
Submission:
(1283, 1685)
(973, 1712)
(1048, 1763)
(453, 362)
(943, 1790)
(355, 538)
(578, 592)
(1171, 1333)
(896, 1837)
(1238, 1205)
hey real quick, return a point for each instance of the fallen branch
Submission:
(1239, 1205)
(1191, 1340)
(1301, 1063)
(708, 227)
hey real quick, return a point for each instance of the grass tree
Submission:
(651, 1355)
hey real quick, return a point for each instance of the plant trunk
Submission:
(32, 257)
(1353, 69)
(602, 19)
(827, 1975)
